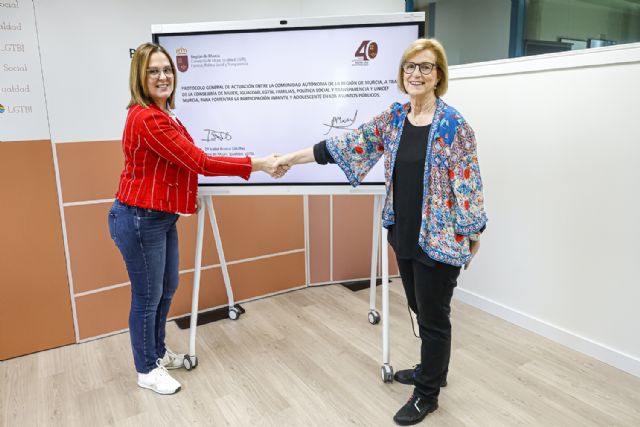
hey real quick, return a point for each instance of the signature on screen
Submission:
(343, 123)
(216, 135)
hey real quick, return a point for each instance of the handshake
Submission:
(276, 165)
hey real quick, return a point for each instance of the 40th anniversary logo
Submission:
(366, 51)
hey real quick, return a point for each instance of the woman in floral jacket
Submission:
(433, 208)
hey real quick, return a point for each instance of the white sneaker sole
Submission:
(169, 367)
(158, 391)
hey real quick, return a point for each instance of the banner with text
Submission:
(23, 114)
(258, 92)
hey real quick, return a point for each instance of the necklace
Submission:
(425, 116)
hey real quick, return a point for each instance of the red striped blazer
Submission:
(161, 163)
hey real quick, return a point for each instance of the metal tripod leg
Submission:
(374, 316)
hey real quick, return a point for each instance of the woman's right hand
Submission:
(269, 164)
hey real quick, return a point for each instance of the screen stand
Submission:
(380, 249)
(377, 251)
(206, 203)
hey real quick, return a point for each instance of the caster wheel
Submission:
(189, 362)
(234, 313)
(374, 317)
(387, 374)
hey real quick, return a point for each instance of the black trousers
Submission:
(429, 290)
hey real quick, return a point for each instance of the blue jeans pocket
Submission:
(152, 214)
(112, 225)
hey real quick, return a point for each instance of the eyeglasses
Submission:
(154, 73)
(424, 67)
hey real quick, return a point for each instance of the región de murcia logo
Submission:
(182, 59)
(367, 51)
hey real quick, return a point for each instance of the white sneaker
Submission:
(159, 381)
(172, 360)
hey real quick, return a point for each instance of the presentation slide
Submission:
(258, 92)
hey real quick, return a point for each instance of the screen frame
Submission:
(289, 24)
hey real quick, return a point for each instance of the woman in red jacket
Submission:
(159, 182)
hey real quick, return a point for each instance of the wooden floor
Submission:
(310, 358)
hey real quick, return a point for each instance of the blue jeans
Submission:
(148, 242)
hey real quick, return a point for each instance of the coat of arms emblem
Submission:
(182, 59)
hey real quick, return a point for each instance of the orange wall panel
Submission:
(251, 279)
(393, 265)
(108, 311)
(252, 226)
(187, 234)
(352, 235)
(89, 170)
(95, 259)
(248, 280)
(319, 243)
(35, 307)
(103, 312)
(212, 292)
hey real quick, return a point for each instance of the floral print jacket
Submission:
(452, 201)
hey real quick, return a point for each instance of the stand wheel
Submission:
(189, 362)
(374, 317)
(234, 313)
(387, 373)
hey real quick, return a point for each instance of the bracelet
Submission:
(474, 237)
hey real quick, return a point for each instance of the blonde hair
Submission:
(138, 76)
(441, 62)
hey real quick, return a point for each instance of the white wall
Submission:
(85, 49)
(559, 150)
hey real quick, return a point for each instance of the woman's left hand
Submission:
(474, 247)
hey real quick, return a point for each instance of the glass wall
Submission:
(470, 30)
(558, 25)
(484, 30)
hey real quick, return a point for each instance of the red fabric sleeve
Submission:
(162, 137)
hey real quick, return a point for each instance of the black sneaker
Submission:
(415, 410)
(408, 376)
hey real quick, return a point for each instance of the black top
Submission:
(408, 186)
(408, 180)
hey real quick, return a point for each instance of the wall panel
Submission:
(89, 170)
(35, 307)
(319, 239)
(352, 228)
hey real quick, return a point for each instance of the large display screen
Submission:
(259, 91)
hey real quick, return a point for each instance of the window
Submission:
(557, 25)
(484, 30)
